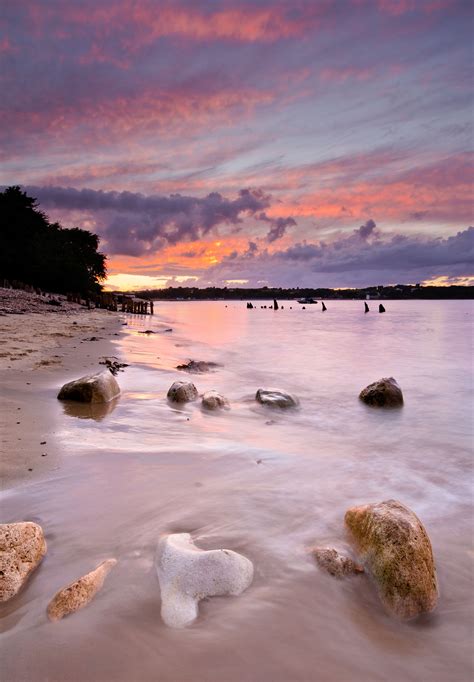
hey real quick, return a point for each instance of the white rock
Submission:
(187, 574)
(96, 388)
(22, 546)
(182, 392)
(212, 400)
(274, 398)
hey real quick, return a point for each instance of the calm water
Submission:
(267, 484)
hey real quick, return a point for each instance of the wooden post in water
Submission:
(151, 307)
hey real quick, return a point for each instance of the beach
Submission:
(39, 346)
(268, 484)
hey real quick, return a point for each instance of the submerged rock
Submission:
(213, 400)
(22, 546)
(188, 574)
(274, 398)
(335, 563)
(396, 550)
(182, 392)
(382, 393)
(79, 593)
(96, 388)
(197, 366)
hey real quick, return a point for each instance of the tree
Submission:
(44, 254)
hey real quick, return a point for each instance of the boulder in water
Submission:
(182, 392)
(96, 388)
(335, 563)
(188, 574)
(382, 393)
(22, 547)
(275, 398)
(79, 593)
(396, 550)
(213, 400)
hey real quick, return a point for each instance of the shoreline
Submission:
(39, 352)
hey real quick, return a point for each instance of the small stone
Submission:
(22, 547)
(79, 593)
(382, 393)
(43, 442)
(213, 400)
(274, 398)
(182, 392)
(188, 574)
(335, 563)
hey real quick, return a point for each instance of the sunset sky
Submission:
(247, 142)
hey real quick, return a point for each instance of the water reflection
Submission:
(95, 411)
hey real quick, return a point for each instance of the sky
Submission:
(247, 142)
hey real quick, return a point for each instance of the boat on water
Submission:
(306, 301)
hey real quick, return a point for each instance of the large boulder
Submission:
(212, 400)
(79, 593)
(96, 388)
(188, 574)
(274, 398)
(383, 393)
(22, 546)
(182, 392)
(396, 550)
(335, 563)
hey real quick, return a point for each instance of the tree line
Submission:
(45, 254)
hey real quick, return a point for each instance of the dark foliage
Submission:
(400, 291)
(44, 254)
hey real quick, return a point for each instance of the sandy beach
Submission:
(41, 347)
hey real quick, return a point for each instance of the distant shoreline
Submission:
(398, 292)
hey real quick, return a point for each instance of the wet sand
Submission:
(39, 351)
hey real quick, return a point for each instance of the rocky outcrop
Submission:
(79, 593)
(96, 388)
(382, 393)
(22, 546)
(182, 392)
(335, 563)
(188, 574)
(212, 400)
(396, 550)
(274, 398)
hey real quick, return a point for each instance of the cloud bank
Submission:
(133, 224)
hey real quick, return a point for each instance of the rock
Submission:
(188, 574)
(396, 550)
(97, 388)
(182, 392)
(335, 563)
(79, 593)
(22, 546)
(213, 400)
(383, 393)
(147, 331)
(381, 308)
(197, 366)
(274, 398)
